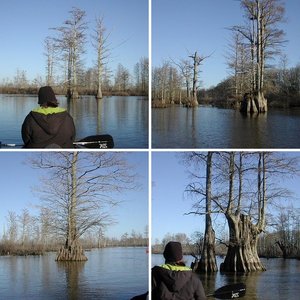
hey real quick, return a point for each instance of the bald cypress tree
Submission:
(70, 41)
(264, 40)
(77, 192)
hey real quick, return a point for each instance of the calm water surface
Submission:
(125, 118)
(281, 281)
(112, 273)
(210, 127)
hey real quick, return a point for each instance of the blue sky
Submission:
(25, 24)
(169, 180)
(180, 28)
(17, 179)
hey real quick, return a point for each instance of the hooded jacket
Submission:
(173, 282)
(48, 127)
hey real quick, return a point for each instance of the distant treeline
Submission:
(33, 90)
(25, 234)
(282, 89)
(122, 83)
(285, 242)
(37, 248)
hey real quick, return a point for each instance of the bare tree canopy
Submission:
(79, 190)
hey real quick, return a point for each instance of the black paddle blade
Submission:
(103, 141)
(231, 291)
(140, 297)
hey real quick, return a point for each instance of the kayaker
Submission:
(173, 280)
(48, 126)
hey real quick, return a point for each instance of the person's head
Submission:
(47, 97)
(173, 252)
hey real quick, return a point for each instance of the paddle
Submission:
(103, 141)
(230, 291)
(140, 297)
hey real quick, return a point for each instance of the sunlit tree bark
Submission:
(197, 61)
(247, 221)
(207, 261)
(243, 234)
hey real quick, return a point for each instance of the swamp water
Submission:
(281, 281)
(124, 118)
(109, 273)
(210, 127)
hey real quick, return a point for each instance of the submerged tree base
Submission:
(192, 104)
(99, 95)
(252, 104)
(158, 104)
(242, 249)
(71, 253)
(240, 260)
(72, 95)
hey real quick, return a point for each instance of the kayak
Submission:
(103, 141)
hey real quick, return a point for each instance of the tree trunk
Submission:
(242, 250)
(286, 249)
(99, 93)
(258, 103)
(243, 235)
(187, 89)
(72, 93)
(99, 64)
(72, 251)
(261, 102)
(208, 261)
(195, 81)
(253, 49)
